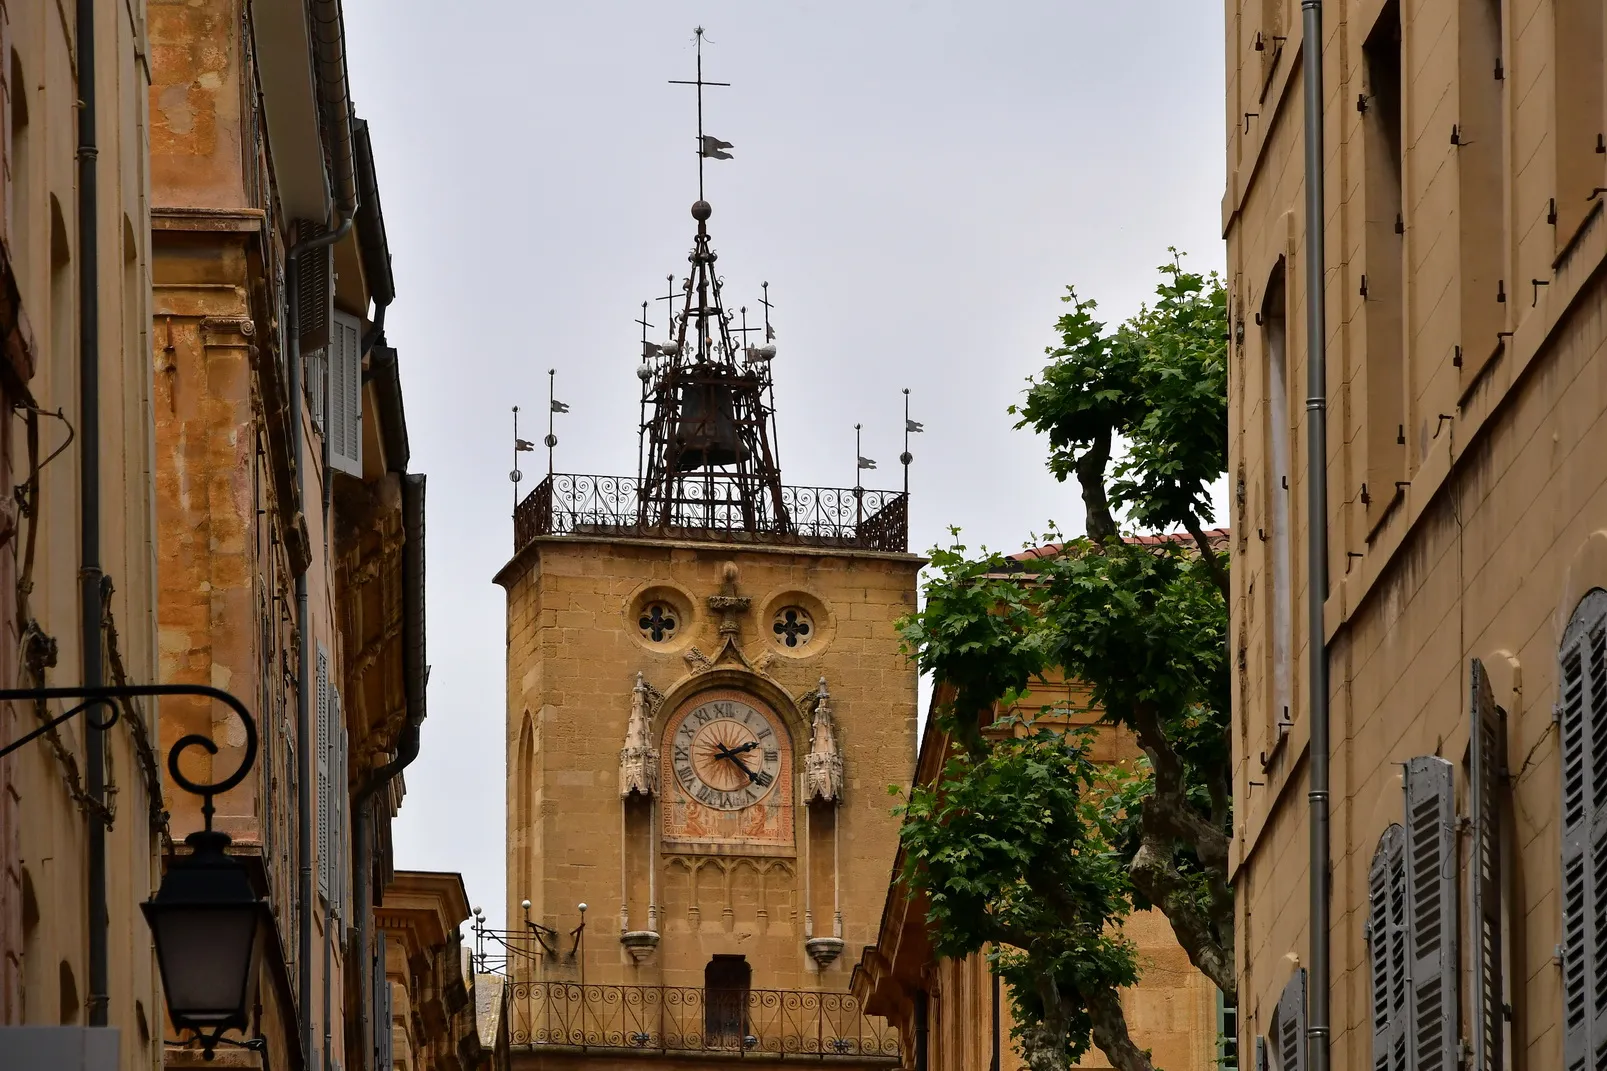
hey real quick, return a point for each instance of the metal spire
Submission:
(707, 147)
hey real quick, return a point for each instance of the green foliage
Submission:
(1023, 841)
(1159, 382)
(1017, 846)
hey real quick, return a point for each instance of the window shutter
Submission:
(321, 761)
(1431, 914)
(1386, 935)
(1486, 735)
(338, 789)
(346, 394)
(1596, 645)
(1289, 1031)
(317, 382)
(1583, 716)
(315, 290)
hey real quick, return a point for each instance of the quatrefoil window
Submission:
(658, 622)
(793, 626)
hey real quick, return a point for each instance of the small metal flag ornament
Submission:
(521, 446)
(559, 407)
(866, 463)
(913, 426)
(713, 148)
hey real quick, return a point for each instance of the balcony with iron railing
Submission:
(714, 510)
(747, 1024)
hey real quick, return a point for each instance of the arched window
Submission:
(726, 981)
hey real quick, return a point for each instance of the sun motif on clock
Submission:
(728, 771)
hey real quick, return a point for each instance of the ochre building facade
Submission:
(48, 802)
(1465, 603)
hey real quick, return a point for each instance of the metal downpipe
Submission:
(1317, 1012)
(89, 564)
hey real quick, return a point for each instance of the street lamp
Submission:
(207, 922)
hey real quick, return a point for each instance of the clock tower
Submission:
(706, 705)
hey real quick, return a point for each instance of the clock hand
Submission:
(726, 753)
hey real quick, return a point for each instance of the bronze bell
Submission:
(706, 427)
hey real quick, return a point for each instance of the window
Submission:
(1412, 928)
(1486, 766)
(1386, 948)
(1382, 284)
(793, 627)
(1481, 208)
(1227, 1034)
(658, 622)
(726, 981)
(1583, 718)
(1280, 429)
(321, 764)
(345, 396)
(1288, 1040)
(1577, 90)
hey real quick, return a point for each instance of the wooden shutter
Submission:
(1386, 936)
(315, 290)
(1289, 1029)
(1582, 713)
(321, 762)
(1486, 736)
(1433, 1030)
(346, 394)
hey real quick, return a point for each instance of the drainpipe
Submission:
(329, 61)
(89, 566)
(415, 676)
(1317, 1035)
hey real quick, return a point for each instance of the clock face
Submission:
(726, 755)
(727, 769)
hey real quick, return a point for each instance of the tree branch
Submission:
(1212, 562)
(1110, 1032)
(1098, 521)
(1153, 873)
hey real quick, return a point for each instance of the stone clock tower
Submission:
(706, 705)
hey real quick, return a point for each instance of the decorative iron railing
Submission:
(714, 510)
(755, 1023)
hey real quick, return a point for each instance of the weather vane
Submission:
(709, 147)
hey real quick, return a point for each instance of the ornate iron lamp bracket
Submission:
(108, 696)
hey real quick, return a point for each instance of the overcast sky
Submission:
(918, 182)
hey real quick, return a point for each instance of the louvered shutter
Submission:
(1431, 914)
(317, 379)
(1596, 704)
(1386, 936)
(1582, 713)
(1486, 735)
(346, 394)
(315, 291)
(321, 761)
(339, 792)
(1289, 1030)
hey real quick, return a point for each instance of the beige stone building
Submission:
(1466, 596)
(290, 526)
(444, 1015)
(49, 258)
(706, 704)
